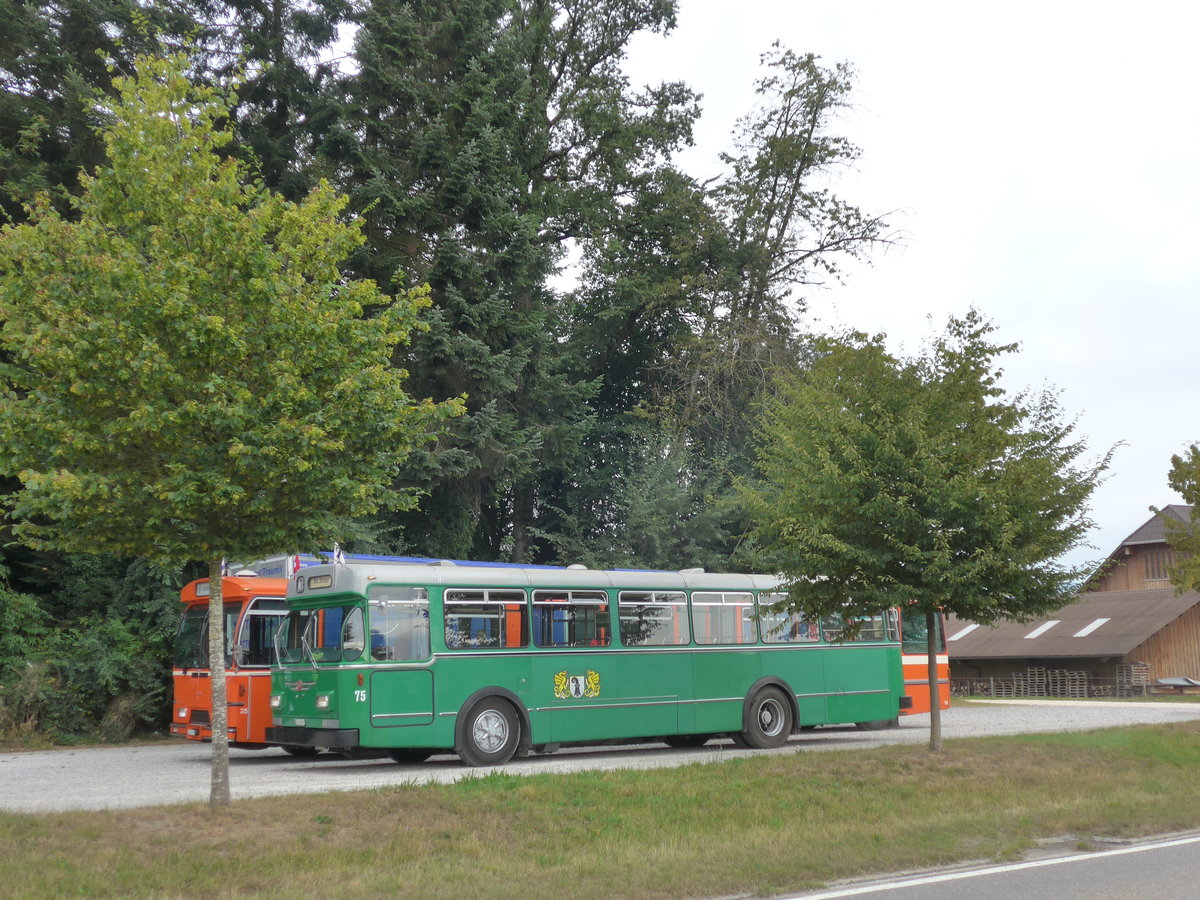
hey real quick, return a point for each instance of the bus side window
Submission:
(571, 619)
(871, 628)
(399, 623)
(653, 618)
(485, 619)
(780, 626)
(724, 618)
(831, 628)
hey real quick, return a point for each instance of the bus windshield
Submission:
(325, 635)
(916, 633)
(191, 643)
(253, 642)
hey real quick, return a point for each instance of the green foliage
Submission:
(284, 103)
(23, 626)
(481, 137)
(650, 505)
(55, 58)
(776, 227)
(189, 374)
(50, 66)
(687, 308)
(1184, 478)
(478, 140)
(790, 228)
(89, 656)
(920, 483)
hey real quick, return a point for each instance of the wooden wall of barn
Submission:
(1100, 668)
(1136, 568)
(1175, 650)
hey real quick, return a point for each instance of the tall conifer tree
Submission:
(485, 135)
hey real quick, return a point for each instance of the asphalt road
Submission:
(1165, 868)
(178, 772)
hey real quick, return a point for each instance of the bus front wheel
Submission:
(490, 734)
(768, 720)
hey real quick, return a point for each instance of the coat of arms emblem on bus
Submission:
(585, 685)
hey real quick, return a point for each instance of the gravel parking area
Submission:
(178, 772)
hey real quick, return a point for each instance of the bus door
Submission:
(248, 682)
(657, 675)
(860, 668)
(400, 690)
(727, 662)
(576, 688)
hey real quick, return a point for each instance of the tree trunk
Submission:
(522, 517)
(935, 704)
(218, 796)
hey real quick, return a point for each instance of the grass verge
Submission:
(755, 825)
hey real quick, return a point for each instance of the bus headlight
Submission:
(322, 701)
(276, 701)
(183, 713)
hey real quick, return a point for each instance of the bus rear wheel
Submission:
(490, 733)
(768, 720)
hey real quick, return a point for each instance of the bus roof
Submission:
(284, 566)
(235, 587)
(356, 578)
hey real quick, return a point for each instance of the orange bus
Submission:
(254, 607)
(915, 662)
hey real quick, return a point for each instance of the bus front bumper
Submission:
(330, 738)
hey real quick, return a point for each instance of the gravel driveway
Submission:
(178, 772)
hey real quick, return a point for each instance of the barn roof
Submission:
(1155, 530)
(1102, 623)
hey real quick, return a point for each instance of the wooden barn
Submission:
(1128, 634)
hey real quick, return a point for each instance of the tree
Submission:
(1184, 478)
(919, 483)
(55, 54)
(689, 304)
(188, 375)
(285, 101)
(484, 135)
(50, 65)
(784, 229)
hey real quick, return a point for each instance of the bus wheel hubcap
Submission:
(770, 717)
(490, 731)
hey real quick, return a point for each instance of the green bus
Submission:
(491, 662)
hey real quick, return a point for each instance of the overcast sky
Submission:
(1043, 160)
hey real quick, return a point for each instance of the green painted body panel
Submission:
(582, 694)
